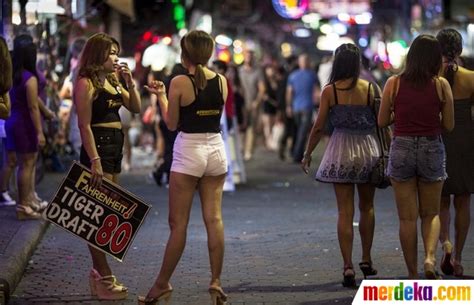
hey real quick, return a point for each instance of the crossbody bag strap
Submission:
(379, 130)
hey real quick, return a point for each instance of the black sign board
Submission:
(107, 217)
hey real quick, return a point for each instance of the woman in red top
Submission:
(421, 104)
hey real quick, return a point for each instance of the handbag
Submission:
(4, 106)
(378, 176)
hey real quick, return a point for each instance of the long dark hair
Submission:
(24, 57)
(423, 61)
(346, 64)
(451, 47)
(93, 56)
(5, 67)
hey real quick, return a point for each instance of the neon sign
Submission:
(290, 9)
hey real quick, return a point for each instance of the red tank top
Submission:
(417, 110)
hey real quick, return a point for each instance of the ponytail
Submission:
(451, 46)
(200, 77)
(449, 71)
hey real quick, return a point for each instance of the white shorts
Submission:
(199, 154)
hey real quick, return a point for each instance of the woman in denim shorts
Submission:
(421, 105)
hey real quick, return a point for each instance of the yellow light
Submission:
(166, 40)
(286, 49)
(238, 58)
(224, 56)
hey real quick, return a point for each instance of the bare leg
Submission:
(210, 191)
(345, 232)
(99, 259)
(445, 219)
(7, 170)
(462, 221)
(26, 166)
(181, 191)
(430, 198)
(367, 219)
(405, 196)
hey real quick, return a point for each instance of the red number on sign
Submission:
(105, 233)
(118, 237)
(121, 237)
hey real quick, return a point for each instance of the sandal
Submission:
(430, 272)
(367, 269)
(349, 277)
(446, 265)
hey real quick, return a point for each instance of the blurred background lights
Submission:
(224, 40)
(363, 42)
(363, 18)
(326, 28)
(302, 33)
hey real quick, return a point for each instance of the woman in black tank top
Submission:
(97, 96)
(195, 107)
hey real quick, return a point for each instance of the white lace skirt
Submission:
(349, 158)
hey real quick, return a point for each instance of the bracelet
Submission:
(94, 159)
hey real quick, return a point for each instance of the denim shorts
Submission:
(109, 145)
(421, 157)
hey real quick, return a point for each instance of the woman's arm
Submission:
(45, 111)
(447, 110)
(317, 130)
(130, 95)
(385, 111)
(169, 108)
(33, 107)
(83, 97)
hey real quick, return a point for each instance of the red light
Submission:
(147, 35)
(387, 65)
(155, 39)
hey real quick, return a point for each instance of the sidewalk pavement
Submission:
(281, 245)
(18, 239)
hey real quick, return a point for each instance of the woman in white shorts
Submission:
(194, 108)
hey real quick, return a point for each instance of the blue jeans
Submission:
(303, 125)
(421, 157)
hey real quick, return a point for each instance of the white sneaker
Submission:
(6, 200)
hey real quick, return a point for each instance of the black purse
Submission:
(378, 177)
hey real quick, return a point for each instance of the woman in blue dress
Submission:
(351, 153)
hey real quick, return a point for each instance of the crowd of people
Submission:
(428, 106)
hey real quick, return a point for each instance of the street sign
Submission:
(107, 217)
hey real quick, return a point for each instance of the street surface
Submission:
(281, 245)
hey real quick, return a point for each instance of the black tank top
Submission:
(105, 107)
(204, 114)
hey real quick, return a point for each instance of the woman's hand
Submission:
(156, 87)
(306, 163)
(41, 140)
(124, 71)
(97, 173)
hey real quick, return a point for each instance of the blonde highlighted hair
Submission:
(5, 67)
(92, 59)
(197, 48)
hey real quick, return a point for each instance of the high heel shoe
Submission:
(446, 265)
(430, 271)
(218, 297)
(164, 296)
(24, 212)
(106, 287)
(38, 206)
(349, 277)
(367, 269)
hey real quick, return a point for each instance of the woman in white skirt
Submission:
(351, 153)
